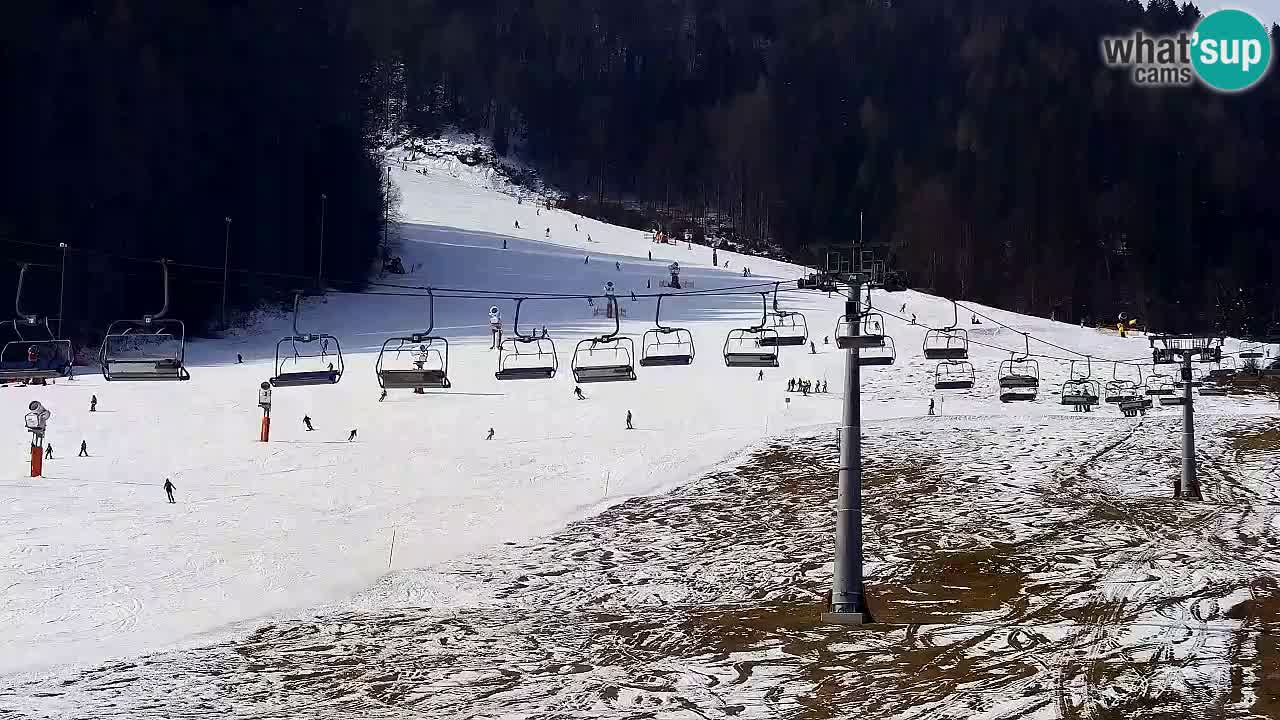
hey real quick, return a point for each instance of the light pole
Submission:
(226, 259)
(320, 272)
(62, 284)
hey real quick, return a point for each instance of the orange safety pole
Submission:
(266, 429)
(37, 460)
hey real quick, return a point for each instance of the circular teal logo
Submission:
(1231, 50)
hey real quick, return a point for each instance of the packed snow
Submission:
(96, 565)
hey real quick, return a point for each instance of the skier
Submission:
(824, 386)
(791, 385)
(48, 452)
(715, 257)
(826, 339)
(578, 392)
(351, 436)
(589, 238)
(517, 227)
(586, 260)
(930, 406)
(383, 396)
(93, 404)
(913, 318)
(650, 254)
(617, 266)
(575, 227)
(84, 448)
(903, 309)
(973, 320)
(306, 420)
(490, 435)
(760, 376)
(629, 426)
(812, 349)
(168, 489)
(504, 243)
(495, 327)
(239, 359)
(548, 232)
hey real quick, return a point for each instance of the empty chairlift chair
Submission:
(607, 358)
(1157, 385)
(953, 375)
(35, 355)
(416, 361)
(949, 343)
(153, 348)
(1118, 389)
(790, 328)
(1019, 379)
(753, 346)
(665, 345)
(311, 358)
(526, 357)
(885, 354)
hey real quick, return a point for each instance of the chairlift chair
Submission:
(526, 357)
(1171, 400)
(1212, 389)
(1019, 377)
(755, 346)
(52, 357)
(886, 354)
(416, 361)
(1118, 389)
(949, 343)
(607, 358)
(663, 345)
(1081, 391)
(153, 348)
(790, 328)
(297, 369)
(953, 375)
(870, 335)
(1157, 385)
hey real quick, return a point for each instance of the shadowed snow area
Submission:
(1025, 559)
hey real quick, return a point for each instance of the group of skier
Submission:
(806, 387)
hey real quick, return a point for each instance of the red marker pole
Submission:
(266, 428)
(37, 460)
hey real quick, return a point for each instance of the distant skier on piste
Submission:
(629, 426)
(168, 489)
(306, 420)
(351, 436)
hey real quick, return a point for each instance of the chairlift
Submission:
(1171, 400)
(790, 328)
(1225, 371)
(607, 358)
(1019, 377)
(1157, 385)
(1196, 380)
(755, 346)
(1134, 406)
(1081, 391)
(953, 375)
(1119, 389)
(871, 332)
(663, 345)
(949, 343)
(526, 357)
(1254, 353)
(885, 354)
(310, 365)
(37, 355)
(153, 348)
(415, 361)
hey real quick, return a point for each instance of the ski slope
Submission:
(94, 564)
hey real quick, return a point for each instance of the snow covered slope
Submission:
(95, 564)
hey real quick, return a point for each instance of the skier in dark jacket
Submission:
(490, 435)
(578, 392)
(168, 489)
(306, 420)
(84, 448)
(629, 426)
(352, 436)
(93, 404)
